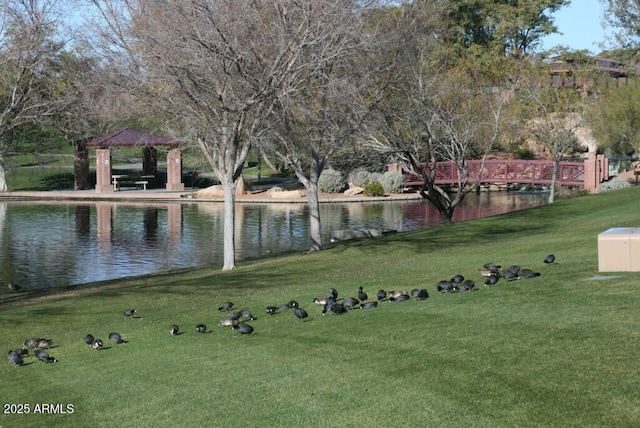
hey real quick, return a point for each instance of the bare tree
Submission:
(326, 108)
(29, 93)
(215, 71)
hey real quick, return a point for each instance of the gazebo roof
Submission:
(130, 138)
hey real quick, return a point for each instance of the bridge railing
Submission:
(514, 171)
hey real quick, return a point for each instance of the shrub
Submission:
(616, 183)
(360, 177)
(331, 181)
(392, 181)
(374, 189)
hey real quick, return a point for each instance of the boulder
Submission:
(287, 194)
(209, 192)
(354, 190)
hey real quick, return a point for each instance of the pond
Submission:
(54, 244)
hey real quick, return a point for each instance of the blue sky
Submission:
(581, 25)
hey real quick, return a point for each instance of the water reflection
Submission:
(55, 244)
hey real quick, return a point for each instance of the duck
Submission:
(116, 338)
(242, 328)
(15, 358)
(201, 328)
(549, 259)
(174, 329)
(362, 295)
(88, 339)
(225, 306)
(44, 357)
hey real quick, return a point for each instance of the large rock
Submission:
(287, 194)
(345, 234)
(354, 190)
(210, 192)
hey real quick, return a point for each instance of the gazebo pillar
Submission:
(174, 170)
(150, 165)
(103, 171)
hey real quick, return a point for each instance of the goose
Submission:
(96, 344)
(226, 306)
(362, 295)
(44, 357)
(320, 300)
(116, 338)
(15, 358)
(242, 328)
(201, 328)
(174, 329)
(397, 293)
(227, 322)
(400, 298)
(31, 343)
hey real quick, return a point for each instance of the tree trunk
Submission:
(229, 187)
(3, 175)
(315, 229)
(554, 178)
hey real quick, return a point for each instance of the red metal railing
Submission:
(506, 172)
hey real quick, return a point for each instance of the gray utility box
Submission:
(619, 250)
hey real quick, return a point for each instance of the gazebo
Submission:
(126, 138)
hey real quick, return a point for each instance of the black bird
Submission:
(338, 308)
(509, 275)
(397, 293)
(14, 287)
(333, 293)
(235, 316)
(328, 305)
(362, 296)
(444, 286)
(369, 305)
(247, 315)
(549, 259)
(242, 328)
(528, 273)
(96, 344)
(491, 280)
(492, 267)
(226, 306)
(116, 338)
(457, 279)
(201, 328)
(381, 295)
(174, 329)
(44, 357)
(128, 313)
(300, 313)
(467, 285)
(420, 294)
(515, 269)
(88, 339)
(15, 358)
(350, 302)
(22, 352)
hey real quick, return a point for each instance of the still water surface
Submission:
(56, 244)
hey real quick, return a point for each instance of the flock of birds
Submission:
(331, 304)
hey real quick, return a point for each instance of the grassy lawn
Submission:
(559, 350)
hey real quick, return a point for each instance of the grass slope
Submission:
(557, 350)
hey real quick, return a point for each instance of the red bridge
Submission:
(588, 173)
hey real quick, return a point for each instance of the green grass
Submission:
(557, 350)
